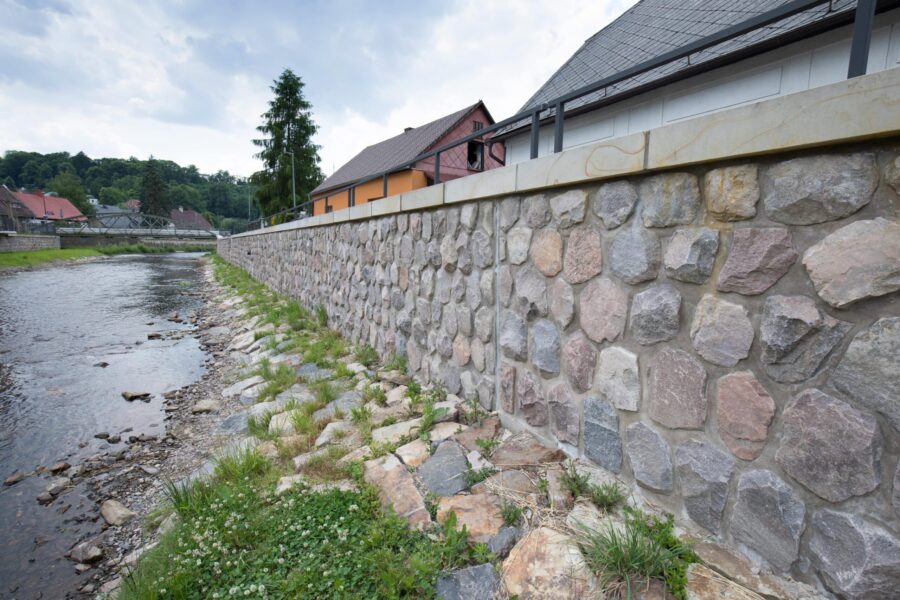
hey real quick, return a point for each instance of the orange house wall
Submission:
(398, 183)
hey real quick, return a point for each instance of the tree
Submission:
(154, 200)
(112, 196)
(82, 163)
(287, 127)
(68, 185)
(10, 182)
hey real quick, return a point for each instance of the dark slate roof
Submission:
(394, 151)
(651, 28)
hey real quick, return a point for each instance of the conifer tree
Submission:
(154, 200)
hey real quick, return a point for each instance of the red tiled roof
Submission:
(51, 207)
(133, 204)
(188, 219)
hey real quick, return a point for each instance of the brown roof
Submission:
(188, 219)
(10, 204)
(50, 207)
(395, 151)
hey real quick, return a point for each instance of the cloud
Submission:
(188, 81)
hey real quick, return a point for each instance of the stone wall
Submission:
(725, 337)
(92, 241)
(23, 241)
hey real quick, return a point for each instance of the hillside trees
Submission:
(67, 185)
(154, 198)
(287, 128)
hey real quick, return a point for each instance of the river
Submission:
(57, 324)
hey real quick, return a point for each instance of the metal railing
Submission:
(129, 224)
(862, 18)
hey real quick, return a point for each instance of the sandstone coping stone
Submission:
(508, 388)
(546, 251)
(479, 582)
(478, 513)
(648, 454)
(858, 261)
(602, 443)
(602, 308)
(732, 192)
(721, 331)
(569, 208)
(704, 472)
(768, 517)
(530, 397)
(565, 423)
(584, 255)
(677, 383)
(443, 473)
(669, 199)
(619, 379)
(518, 241)
(691, 254)
(828, 446)
(579, 359)
(744, 411)
(869, 374)
(397, 490)
(614, 202)
(562, 302)
(757, 259)
(547, 564)
(513, 336)
(544, 347)
(634, 255)
(796, 337)
(816, 189)
(857, 559)
(655, 314)
(530, 293)
(524, 450)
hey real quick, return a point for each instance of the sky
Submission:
(189, 80)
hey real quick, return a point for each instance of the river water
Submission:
(56, 324)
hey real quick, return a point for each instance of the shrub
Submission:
(511, 513)
(607, 496)
(367, 356)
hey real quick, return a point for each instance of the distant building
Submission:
(12, 211)
(133, 204)
(189, 219)
(46, 207)
(114, 217)
(465, 159)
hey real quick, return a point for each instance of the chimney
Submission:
(407, 129)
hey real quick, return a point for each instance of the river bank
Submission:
(17, 261)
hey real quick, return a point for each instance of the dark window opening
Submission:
(477, 125)
(475, 156)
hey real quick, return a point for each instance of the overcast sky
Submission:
(188, 80)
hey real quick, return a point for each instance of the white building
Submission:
(800, 52)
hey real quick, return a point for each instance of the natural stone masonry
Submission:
(869, 372)
(861, 260)
(758, 257)
(830, 447)
(768, 517)
(816, 189)
(744, 411)
(583, 312)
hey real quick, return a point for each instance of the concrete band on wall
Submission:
(725, 336)
(23, 241)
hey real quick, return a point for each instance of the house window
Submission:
(475, 156)
(477, 125)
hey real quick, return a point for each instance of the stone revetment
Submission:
(709, 310)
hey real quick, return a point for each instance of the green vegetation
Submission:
(277, 379)
(472, 476)
(221, 198)
(486, 446)
(606, 496)
(375, 393)
(234, 538)
(367, 356)
(511, 513)
(396, 363)
(33, 258)
(626, 558)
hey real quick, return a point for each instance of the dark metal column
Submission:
(862, 37)
(535, 132)
(384, 186)
(558, 127)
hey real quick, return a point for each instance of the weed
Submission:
(367, 356)
(341, 371)
(576, 483)
(511, 513)
(360, 415)
(390, 420)
(323, 466)
(321, 316)
(431, 504)
(472, 476)
(430, 416)
(607, 496)
(374, 393)
(324, 391)
(542, 486)
(258, 425)
(396, 363)
(486, 446)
